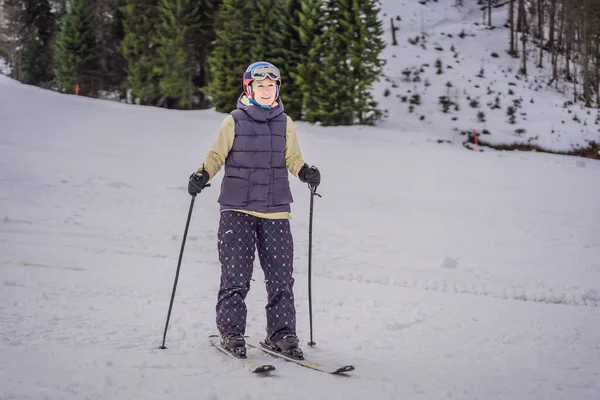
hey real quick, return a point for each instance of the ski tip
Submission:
(346, 368)
(263, 368)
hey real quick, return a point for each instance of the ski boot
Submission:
(234, 343)
(288, 345)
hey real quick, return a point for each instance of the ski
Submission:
(305, 363)
(252, 366)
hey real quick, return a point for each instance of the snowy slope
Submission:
(439, 273)
(464, 45)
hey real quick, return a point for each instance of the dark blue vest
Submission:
(256, 177)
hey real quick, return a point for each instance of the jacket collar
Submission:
(258, 113)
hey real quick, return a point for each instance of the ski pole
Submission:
(187, 224)
(313, 192)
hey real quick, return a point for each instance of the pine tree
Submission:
(265, 22)
(288, 43)
(365, 61)
(115, 62)
(76, 50)
(332, 103)
(16, 36)
(352, 44)
(175, 64)
(305, 73)
(203, 37)
(139, 50)
(29, 28)
(38, 50)
(231, 54)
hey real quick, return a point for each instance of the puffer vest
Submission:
(256, 177)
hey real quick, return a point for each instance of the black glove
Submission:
(310, 175)
(197, 182)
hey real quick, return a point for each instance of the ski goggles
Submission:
(263, 72)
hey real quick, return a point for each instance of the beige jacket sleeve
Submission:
(293, 155)
(215, 158)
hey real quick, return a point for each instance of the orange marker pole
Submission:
(77, 89)
(476, 140)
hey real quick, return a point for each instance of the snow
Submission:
(438, 272)
(546, 122)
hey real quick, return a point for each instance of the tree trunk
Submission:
(586, 60)
(490, 12)
(555, 48)
(511, 19)
(598, 72)
(523, 36)
(552, 22)
(541, 31)
(569, 44)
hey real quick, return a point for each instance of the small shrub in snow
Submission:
(496, 104)
(481, 73)
(421, 118)
(427, 83)
(439, 48)
(474, 103)
(404, 99)
(481, 116)
(438, 65)
(449, 84)
(452, 48)
(520, 131)
(415, 99)
(462, 34)
(411, 109)
(510, 112)
(386, 93)
(486, 132)
(445, 102)
(510, 92)
(495, 55)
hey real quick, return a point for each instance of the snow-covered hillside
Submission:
(445, 50)
(438, 272)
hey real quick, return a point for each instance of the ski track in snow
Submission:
(534, 292)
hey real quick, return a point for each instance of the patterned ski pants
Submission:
(239, 236)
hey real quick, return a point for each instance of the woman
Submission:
(257, 143)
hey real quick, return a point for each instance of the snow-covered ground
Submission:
(438, 272)
(475, 63)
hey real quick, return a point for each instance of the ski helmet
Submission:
(259, 71)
